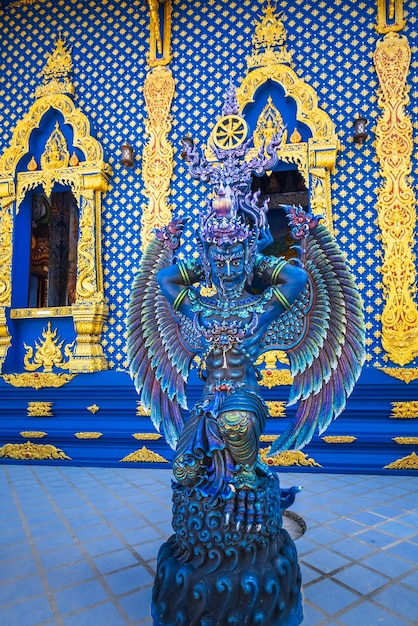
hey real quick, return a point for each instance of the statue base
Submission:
(209, 574)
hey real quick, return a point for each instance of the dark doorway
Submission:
(282, 187)
(53, 250)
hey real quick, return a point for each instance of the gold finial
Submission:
(74, 160)
(295, 137)
(57, 71)
(269, 41)
(32, 165)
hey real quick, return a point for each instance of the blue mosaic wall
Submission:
(332, 46)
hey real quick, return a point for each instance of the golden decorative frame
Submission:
(158, 153)
(315, 158)
(88, 181)
(396, 203)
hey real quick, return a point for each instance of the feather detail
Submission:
(327, 356)
(158, 354)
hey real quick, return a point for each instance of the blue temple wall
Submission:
(332, 47)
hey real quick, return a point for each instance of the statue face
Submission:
(227, 263)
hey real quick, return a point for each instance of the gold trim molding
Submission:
(339, 439)
(405, 410)
(287, 459)
(40, 409)
(409, 462)
(144, 455)
(32, 451)
(38, 380)
(406, 441)
(158, 154)
(88, 179)
(88, 435)
(146, 436)
(396, 203)
(407, 375)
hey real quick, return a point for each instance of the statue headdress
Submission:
(232, 213)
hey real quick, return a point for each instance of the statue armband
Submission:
(179, 298)
(270, 264)
(281, 298)
(190, 267)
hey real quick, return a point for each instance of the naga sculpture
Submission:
(230, 562)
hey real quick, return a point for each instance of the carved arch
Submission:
(316, 157)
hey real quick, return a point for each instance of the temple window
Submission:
(53, 250)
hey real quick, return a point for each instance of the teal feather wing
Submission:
(326, 350)
(158, 354)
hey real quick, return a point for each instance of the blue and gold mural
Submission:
(81, 78)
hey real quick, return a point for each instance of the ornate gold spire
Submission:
(269, 41)
(57, 71)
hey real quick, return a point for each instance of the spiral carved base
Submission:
(212, 575)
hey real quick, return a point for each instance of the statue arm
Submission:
(175, 280)
(287, 279)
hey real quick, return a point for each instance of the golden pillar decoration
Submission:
(396, 202)
(158, 155)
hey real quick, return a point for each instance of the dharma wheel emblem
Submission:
(230, 132)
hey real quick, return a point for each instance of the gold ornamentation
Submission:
(406, 463)
(32, 451)
(406, 375)
(38, 380)
(40, 409)
(269, 41)
(87, 182)
(405, 410)
(33, 434)
(288, 458)
(269, 61)
(57, 71)
(53, 311)
(160, 42)
(267, 438)
(295, 137)
(140, 409)
(144, 456)
(410, 441)
(146, 436)
(230, 132)
(339, 439)
(56, 155)
(276, 408)
(32, 165)
(48, 352)
(93, 408)
(88, 435)
(389, 16)
(272, 377)
(275, 378)
(269, 123)
(396, 202)
(157, 158)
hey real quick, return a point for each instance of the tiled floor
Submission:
(79, 546)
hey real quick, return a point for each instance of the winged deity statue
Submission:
(308, 307)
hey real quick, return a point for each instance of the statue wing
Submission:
(159, 357)
(323, 335)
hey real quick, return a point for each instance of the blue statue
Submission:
(230, 561)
